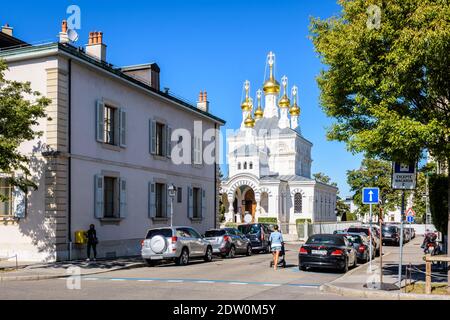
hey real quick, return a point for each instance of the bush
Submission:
(231, 225)
(268, 220)
(302, 221)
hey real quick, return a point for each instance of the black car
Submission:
(259, 235)
(329, 251)
(361, 243)
(391, 234)
(366, 230)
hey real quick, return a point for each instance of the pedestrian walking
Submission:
(276, 243)
(92, 242)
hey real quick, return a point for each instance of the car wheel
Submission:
(231, 253)
(355, 263)
(183, 259)
(208, 255)
(302, 268)
(345, 268)
(249, 251)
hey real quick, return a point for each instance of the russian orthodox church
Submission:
(269, 162)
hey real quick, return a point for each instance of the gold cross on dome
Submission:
(271, 58)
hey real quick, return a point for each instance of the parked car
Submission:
(178, 244)
(407, 234)
(367, 231)
(228, 242)
(361, 243)
(413, 233)
(327, 251)
(340, 231)
(391, 235)
(259, 235)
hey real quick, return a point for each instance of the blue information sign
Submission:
(371, 195)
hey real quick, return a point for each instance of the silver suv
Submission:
(175, 243)
(228, 242)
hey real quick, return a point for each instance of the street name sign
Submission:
(404, 176)
(371, 196)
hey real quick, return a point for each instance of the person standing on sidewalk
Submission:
(276, 243)
(92, 242)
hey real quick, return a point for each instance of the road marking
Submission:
(205, 281)
(145, 280)
(271, 285)
(90, 279)
(238, 283)
(175, 281)
(117, 279)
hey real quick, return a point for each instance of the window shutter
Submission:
(122, 128)
(151, 200)
(123, 198)
(190, 204)
(152, 134)
(100, 121)
(19, 203)
(203, 211)
(169, 142)
(198, 150)
(98, 195)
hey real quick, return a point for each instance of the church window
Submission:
(245, 165)
(239, 166)
(298, 203)
(251, 166)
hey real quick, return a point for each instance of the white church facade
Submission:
(269, 163)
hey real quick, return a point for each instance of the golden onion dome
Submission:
(271, 86)
(247, 105)
(295, 109)
(284, 101)
(259, 113)
(249, 122)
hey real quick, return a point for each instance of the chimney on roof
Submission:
(145, 73)
(6, 29)
(203, 103)
(95, 47)
(63, 36)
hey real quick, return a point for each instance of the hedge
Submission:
(268, 220)
(302, 221)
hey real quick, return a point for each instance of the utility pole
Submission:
(371, 237)
(380, 220)
(400, 266)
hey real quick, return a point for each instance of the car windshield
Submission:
(214, 233)
(250, 228)
(389, 229)
(166, 233)
(354, 238)
(359, 230)
(324, 239)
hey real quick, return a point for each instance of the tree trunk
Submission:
(448, 224)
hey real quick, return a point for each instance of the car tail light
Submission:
(142, 243)
(303, 251)
(337, 253)
(262, 234)
(174, 240)
(362, 248)
(227, 239)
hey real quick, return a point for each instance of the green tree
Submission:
(343, 210)
(387, 83)
(20, 110)
(438, 202)
(322, 177)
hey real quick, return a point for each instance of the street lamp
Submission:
(336, 211)
(172, 192)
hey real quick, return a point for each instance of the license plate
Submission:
(319, 252)
(156, 258)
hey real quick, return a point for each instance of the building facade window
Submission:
(239, 166)
(160, 128)
(245, 165)
(180, 195)
(298, 203)
(197, 200)
(160, 200)
(110, 197)
(6, 201)
(251, 166)
(109, 126)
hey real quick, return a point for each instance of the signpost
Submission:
(371, 196)
(404, 177)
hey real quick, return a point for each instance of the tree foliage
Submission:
(20, 110)
(323, 178)
(439, 202)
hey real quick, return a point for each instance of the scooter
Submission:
(281, 258)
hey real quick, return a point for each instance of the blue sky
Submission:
(212, 45)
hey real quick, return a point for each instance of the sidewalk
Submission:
(41, 271)
(360, 281)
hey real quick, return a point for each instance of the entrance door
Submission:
(250, 203)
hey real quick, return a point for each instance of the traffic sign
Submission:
(410, 212)
(404, 176)
(371, 195)
(410, 219)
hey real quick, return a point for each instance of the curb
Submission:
(348, 292)
(47, 277)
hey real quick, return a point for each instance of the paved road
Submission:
(223, 279)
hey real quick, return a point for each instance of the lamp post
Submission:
(336, 211)
(172, 192)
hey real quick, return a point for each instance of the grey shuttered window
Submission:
(151, 200)
(152, 136)
(98, 196)
(122, 128)
(190, 203)
(123, 198)
(203, 210)
(99, 121)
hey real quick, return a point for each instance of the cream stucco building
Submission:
(270, 163)
(105, 154)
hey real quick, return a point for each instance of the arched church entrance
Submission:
(249, 203)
